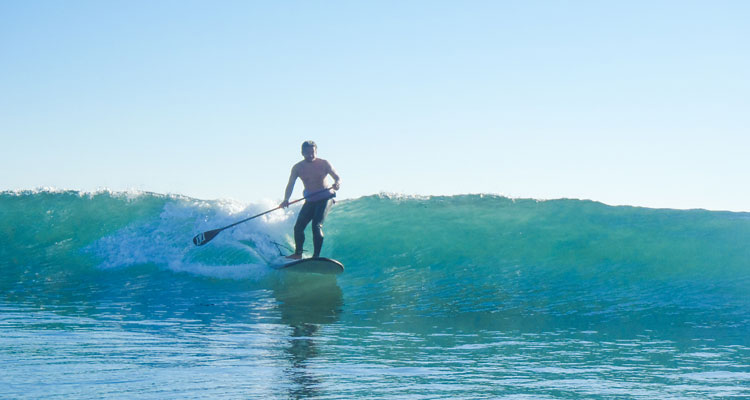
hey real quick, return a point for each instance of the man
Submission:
(313, 172)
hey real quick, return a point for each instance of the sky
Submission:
(642, 103)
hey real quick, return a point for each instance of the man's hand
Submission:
(336, 186)
(284, 204)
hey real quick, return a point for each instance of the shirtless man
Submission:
(313, 172)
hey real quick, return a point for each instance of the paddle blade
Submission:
(205, 237)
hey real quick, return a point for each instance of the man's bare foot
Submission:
(294, 256)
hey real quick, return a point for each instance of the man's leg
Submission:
(305, 215)
(321, 210)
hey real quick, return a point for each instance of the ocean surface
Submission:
(103, 295)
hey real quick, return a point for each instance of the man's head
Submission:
(309, 150)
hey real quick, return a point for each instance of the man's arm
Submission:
(290, 187)
(336, 177)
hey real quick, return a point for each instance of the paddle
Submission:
(205, 237)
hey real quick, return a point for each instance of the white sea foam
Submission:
(240, 252)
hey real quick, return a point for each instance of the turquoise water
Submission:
(104, 295)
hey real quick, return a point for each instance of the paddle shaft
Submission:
(205, 237)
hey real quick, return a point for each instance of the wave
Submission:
(444, 253)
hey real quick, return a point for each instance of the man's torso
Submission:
(313, 174)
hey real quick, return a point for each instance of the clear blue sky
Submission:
(631, 102)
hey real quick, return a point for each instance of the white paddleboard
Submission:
(319, 265)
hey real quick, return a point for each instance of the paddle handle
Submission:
(274, 209)
(205, 237)
(254, 216)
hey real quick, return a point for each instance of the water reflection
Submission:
(306, 302)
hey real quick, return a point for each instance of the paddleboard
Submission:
(319, 265)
